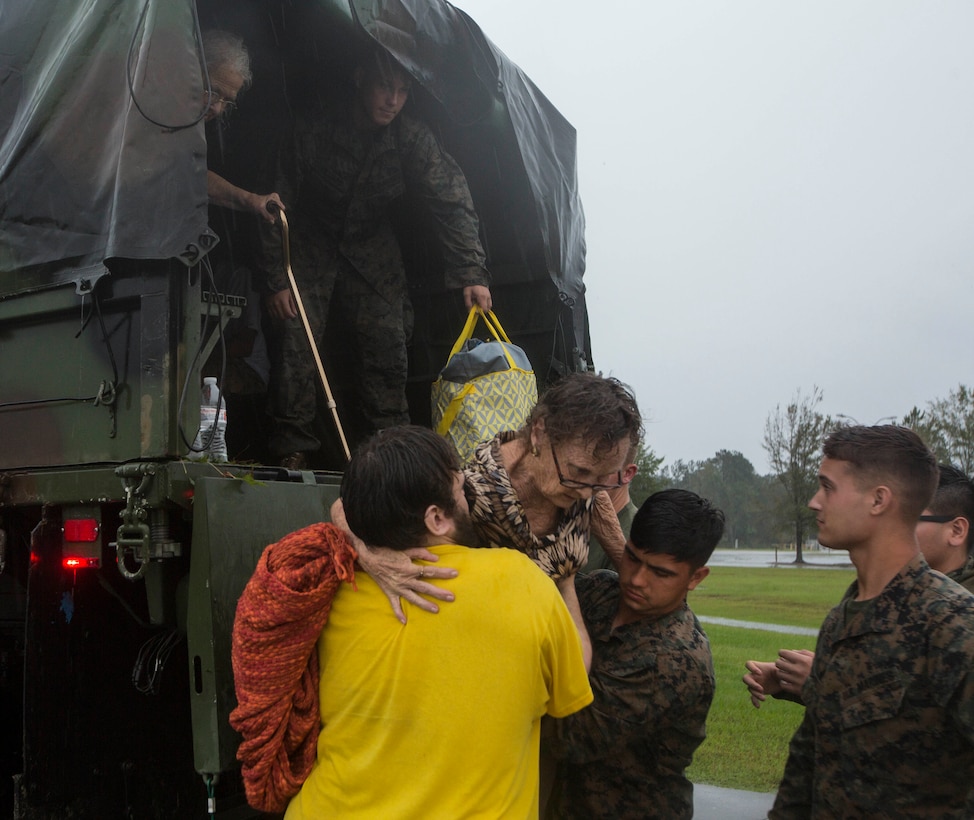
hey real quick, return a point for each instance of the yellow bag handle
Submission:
(493, 325)
(453, 408)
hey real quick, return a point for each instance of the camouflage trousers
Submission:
(374, 329)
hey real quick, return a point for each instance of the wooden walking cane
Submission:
(330, 400)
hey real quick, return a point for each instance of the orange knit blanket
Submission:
(275, 665)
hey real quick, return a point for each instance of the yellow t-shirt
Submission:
(440, 718)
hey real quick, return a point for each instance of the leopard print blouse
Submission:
(500, 519)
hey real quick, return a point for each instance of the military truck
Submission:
(121, 560)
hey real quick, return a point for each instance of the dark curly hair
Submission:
(599, 410)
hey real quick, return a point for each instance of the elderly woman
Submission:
(534, 489)
(538, 489)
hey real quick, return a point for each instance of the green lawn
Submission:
(795, 596)
(746, 747)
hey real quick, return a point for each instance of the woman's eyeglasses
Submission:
(571, 483)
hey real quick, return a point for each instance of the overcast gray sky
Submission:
(777, 194)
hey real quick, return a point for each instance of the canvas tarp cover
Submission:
(101, 154)
(103, 151)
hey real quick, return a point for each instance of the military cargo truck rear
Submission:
(121, 559)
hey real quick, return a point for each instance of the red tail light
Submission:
(82, 544)
(80, 529)
(80, 562)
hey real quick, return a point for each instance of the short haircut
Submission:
(391, 481)
(888, 454)
(223, 48)
(380, 66)
(678, 523)
(954, 497)
(599, 410)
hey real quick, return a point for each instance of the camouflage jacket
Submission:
(625, 755)
(889, 719)
(964, 575)
(339, 184)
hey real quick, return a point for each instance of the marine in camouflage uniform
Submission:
(339, 181)
(944, 537)
(625, 756)
(964, 575)
(889, 721)
(653, 680)
(945, 532)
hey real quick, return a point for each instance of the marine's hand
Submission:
(395, 572)
(479, 295)
(793, 667)
(281, 305)
(761, 680)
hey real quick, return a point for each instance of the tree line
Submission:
(764, 510)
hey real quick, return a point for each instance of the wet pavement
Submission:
(823, 558)
(781, 628)
(715, 803)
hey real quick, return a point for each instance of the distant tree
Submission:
(738, 495)
(730, 482)
(793, 441)
(773, 526)
(950, 423)
(680, 473)
(921, 423)
(650, 478)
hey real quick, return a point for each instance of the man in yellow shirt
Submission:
(438, 717)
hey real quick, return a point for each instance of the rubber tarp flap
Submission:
(102, 153)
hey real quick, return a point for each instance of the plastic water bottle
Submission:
(211, 439)
(217, 450)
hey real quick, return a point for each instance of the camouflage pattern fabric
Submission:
(889, 719)
(339, 184)
(964, 575)
(624, 757)
(500, 520)
(377, 329)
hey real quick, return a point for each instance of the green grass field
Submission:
(746, 747)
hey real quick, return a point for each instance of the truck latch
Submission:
(133, 533)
